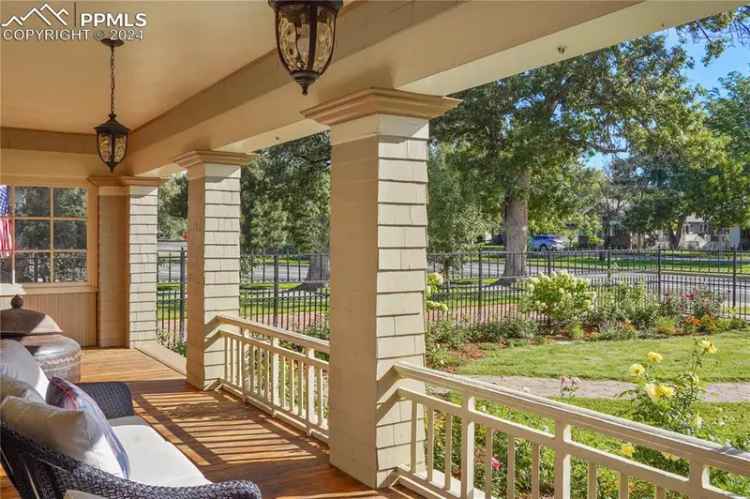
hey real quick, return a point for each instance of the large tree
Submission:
(521, 138)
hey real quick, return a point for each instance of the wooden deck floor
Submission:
(225, 438)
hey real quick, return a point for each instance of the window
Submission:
(42, 234)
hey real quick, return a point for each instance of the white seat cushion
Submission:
(17, 362)
(153, 460)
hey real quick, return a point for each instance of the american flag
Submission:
(6, 225)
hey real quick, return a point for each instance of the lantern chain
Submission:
(112, 76)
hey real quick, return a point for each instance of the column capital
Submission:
(380, 101)
(202, 157)
(123, 185)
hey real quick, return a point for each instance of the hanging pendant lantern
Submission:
(305, 37)
(112, 136)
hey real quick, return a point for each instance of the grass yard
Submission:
(611, 359)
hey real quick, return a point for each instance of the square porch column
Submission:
(378, 262)
(128, 230)
(213, 256)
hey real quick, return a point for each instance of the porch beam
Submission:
(378, 262)
(213, 255)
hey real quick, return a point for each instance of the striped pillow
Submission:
(66, 395)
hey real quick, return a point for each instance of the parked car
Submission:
(547, 242)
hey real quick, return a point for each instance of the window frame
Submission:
(87, 219)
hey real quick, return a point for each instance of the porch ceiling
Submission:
(206, 76)
(187, 46)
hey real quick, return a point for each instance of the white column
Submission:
(378, 262)
(143, 207)
(127, 250)
(213, 255)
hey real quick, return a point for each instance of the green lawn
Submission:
(611, 359)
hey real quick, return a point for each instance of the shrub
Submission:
(617, 330)
(666, 326)
(508, 329)
(625, 302)
(434, 281)
(560, 296)
(672, 403)
(575, 331)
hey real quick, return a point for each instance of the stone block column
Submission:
(128, 233)
(378, 262)
(213, 256)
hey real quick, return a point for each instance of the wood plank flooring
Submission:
(225, 438)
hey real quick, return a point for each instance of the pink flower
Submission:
(496, 465)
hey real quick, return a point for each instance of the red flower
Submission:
(496, 465)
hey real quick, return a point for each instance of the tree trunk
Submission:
(517, 230)
(318, 272)
(675, 235)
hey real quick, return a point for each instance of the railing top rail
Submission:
(274, 332)
(727, 458)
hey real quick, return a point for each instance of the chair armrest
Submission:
(120, 488)
(113, 398)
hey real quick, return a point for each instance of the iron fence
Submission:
(292, 291)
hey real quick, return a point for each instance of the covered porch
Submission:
(223, 436)
(299, 416)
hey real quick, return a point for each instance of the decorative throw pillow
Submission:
(12, 387)
(66, 395)
(17, 362)
(72, 433)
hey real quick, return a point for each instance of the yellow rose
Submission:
(627, 449)
(636, 370)
(708, 346)
(665, 391)
(669, 456)
(655, 357)
(651, 391)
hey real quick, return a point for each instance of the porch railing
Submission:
(423, 477)
(286, 375)
(282, 373)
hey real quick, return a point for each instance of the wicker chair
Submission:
(38, 472)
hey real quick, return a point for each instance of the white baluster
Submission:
(467, 447)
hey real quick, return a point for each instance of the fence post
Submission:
(658, 272)
(734, 278)
(182, 291)
(609, 263)
(276, 289)
(549, 262)
(481, 275)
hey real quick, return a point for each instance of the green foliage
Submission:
(559, 296)
(672, 403)
(172, 216)
(433, 282)
(285, 197)
(456, 220)
(726, 29)
(625, 302)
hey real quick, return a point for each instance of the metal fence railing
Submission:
(291, 291)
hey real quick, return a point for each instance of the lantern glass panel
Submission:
(324, 40)
(121, 143)
(104, 141)
(294, 36)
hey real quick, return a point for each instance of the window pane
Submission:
(70, 202)
(32, 267)
(70, 267)
(32, 234)
(32, 201)
(5, 270)
(70, 235)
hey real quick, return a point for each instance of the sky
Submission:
(732, 59)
